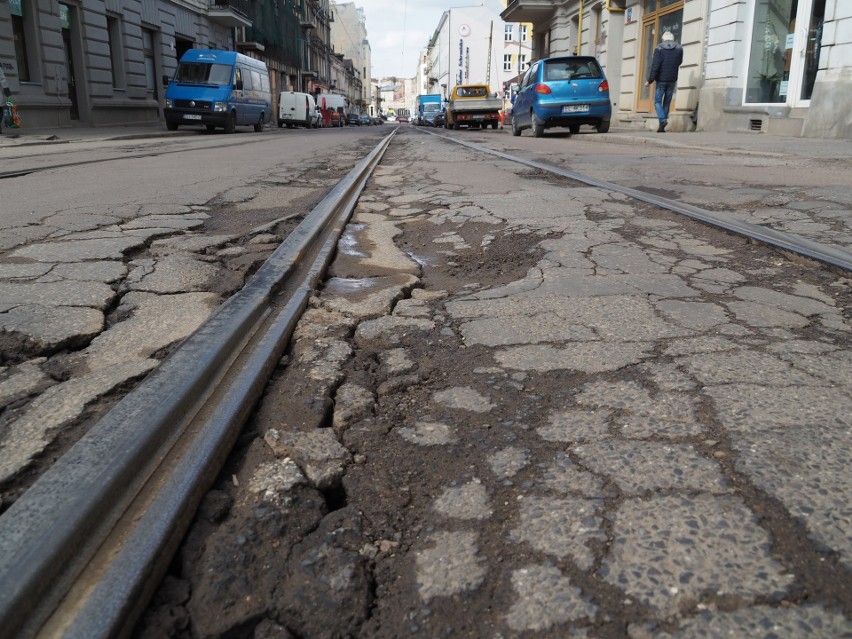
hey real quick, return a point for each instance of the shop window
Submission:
(784, 59)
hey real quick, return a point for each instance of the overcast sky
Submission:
(399, 29)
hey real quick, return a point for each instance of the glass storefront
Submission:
(785, 48)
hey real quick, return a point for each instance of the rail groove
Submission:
(82, 550)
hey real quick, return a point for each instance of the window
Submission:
(204, 73)
(150, 68)
(507, 33)
(523, 33)
(116, 50)
(20, 29)
(256, 83)
(507, 62)
(523, 64)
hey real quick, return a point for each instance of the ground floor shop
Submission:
(774, 66)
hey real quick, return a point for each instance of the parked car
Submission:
(401, 118)
(439, 120)
(366, 120)
(562, 92)
(298, 109)
(353, 119)
(378, 120)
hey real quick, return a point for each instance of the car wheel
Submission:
(516, 129)
(537, 126)
(603, 126)
(456, 125)
(574, 128)
(231, 123)
(258, 127)
(171, 126)
(494, 124)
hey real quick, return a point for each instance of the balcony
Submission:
(535, 11)
(229, 13)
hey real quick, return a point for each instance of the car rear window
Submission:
(572, 69)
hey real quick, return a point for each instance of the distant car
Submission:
(378, 120)
(439, 120)
(353, 119)
(567, 92)
(366, 120)
(401, 118)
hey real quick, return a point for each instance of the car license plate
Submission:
(191, 116)
(574, 108)
(478, 117)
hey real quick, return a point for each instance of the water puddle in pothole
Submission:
(344, 285)
(422, 261)
(348, 243)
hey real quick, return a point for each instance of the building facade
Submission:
(473, 45)
(349, 38)
(106, 62)
(776, 66)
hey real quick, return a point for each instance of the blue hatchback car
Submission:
(566, 92)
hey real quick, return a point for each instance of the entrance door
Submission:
(66, 17)
(660, 16)
(807, 46)
(785, 49)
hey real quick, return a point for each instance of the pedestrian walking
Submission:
(7, 93)
(668, 57)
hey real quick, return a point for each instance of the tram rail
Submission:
(83, 549)
(829, 255)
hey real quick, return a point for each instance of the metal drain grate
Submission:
(755, 125)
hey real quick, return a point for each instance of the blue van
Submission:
(218, 89)
(567, 91)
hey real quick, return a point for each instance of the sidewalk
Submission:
(731, 141)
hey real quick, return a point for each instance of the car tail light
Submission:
(542, 88)
(604, 87)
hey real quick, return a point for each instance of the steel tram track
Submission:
(82, 551)
(787, 242)
(129, 156)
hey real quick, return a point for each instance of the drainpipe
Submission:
(580, 30)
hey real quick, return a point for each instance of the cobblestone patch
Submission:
(576, 426)
(560, 527)
(763, 622)
(468, 501)
(463, 398)
(545, 597)
(425, 433)
(508, 462)
(452, 565)
(669, 551)
(638, 466)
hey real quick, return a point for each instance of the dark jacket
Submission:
(668, 56)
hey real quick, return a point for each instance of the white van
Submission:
(297, 109)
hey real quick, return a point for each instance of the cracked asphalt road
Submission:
(527, 408)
